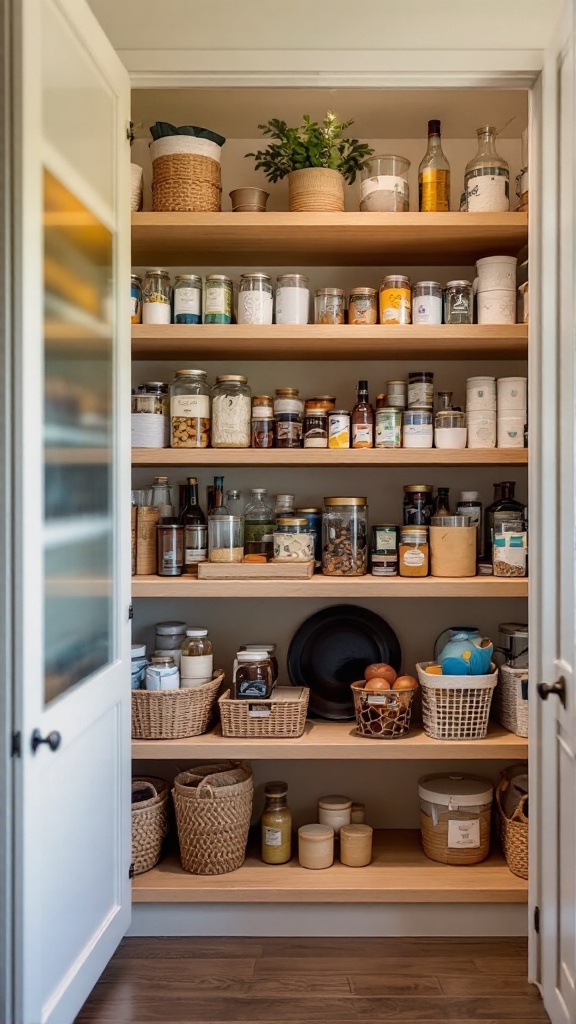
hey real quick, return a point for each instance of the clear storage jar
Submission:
(231, 412)
(293, 541)
(270, 651)
(196, 658)
(188, 299)
(345, 537)
(288, 410)
(292, 299)
(225, 538)
(156, 297)
(252, 676)
(329, 306)
(427, 303)
(384, 185)
(218, 299)
(458, 303)
(363, 306)
(414, 552)
(170, 541)
(150, 418)
(190, 410)
(255, 299)
(417, 431)
(450, 429)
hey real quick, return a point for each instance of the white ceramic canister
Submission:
(496, 273)
(496, 307)
(162, 674)
(450, 437)
(334, 811)
(292, 299)
(512, 393)
(511, 431)
(481, 394)
(482, 429)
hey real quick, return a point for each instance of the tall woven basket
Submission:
(149, 824)
(213, 804)
(511, 699)
(186, 175)
(316, 190)
(514, 832)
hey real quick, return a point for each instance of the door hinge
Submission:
(537, 920)
(16, 744)
(131, 871)
(130, 611)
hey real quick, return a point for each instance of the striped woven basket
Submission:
(149, 823)
(213, 806)
(316, 189)
(186, 183)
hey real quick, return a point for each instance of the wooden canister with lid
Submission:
(356, 845)
(316, 846)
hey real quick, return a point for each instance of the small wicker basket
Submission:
(316, 189)
(272, 719)
(511, 699)
(384, 715)
(149, 823)
(456, 707)
(514, 832)
(213, 806)
(186, 183)
(174, 714)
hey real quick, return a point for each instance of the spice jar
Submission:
(417, 504)
(225, 538)
(288, 409)
(396, 393)
(427, 303)
(196, 658)
(252, 676)
(345, 533)
(170, 539)
(414, 551)
(363, 306)
(255, 299)
(395, 300)
(292, 299)
(458, 303)
(329, 306)
(356, 845)
(293, 541)
(276, 825)
(315, 428)
(188, 299)
(339, 428)
(385, 550)
(162, 673)
(263, 424)
(316, 846)
(417, 429)
(325, 402)
(150, 419)
(388, 425)
(218, 299)
(135, 299)
(190, 410)
(231, 412)
(169, 639)
(334, 811)
(156, 297)
(420, 389)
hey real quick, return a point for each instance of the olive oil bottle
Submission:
(434, 175)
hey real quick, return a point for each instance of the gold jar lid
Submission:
(309, 510)
(191, 373)
(232, 377)
(345, 501)
(287, 392)
(413, 488)
(360, 290)
(291, 521)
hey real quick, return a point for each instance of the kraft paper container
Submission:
(453, 551)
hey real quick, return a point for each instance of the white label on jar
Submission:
(420, 395)
(193, 555)
(473, 513)
(155, 312)
(293, 405)
(315, 442)
(292, 305)
(197, 667)
(413, 556)
(488, 193)
(387, 429)
(191, 406)
(464, 834)
(383, 183)
(217, 300)
(254, 307)
(427, 309)
(187, 300)
(361, 432)
(272, 836)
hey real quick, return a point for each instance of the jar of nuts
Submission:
(345, 533)
(190, 410)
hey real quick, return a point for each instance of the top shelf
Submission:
(323, 239)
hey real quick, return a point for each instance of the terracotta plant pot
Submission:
(316, 189)
(249, 200)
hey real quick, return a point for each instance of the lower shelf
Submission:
(400, 873)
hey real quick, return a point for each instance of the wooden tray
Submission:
(255, 570)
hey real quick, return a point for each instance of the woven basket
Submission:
(186, 183)
(213, 806)
(149, 825)
(384, 715)
(174, 714)
(514, 833)
(456, 707)
(273, 719)
(135, 187)
(511, 699)
(316, 189)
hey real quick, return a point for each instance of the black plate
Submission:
(331, 649)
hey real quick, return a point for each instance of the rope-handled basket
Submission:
(149, 822)
(175, 714)
(213, 806)
(514, 832)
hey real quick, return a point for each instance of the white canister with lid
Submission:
(316, 846)
(496, 272)
(169, 639)
(512, 393)
(334, 811)
(455, 817)
(510, 432)
(196, 658)
(496, 306)
(480, 394)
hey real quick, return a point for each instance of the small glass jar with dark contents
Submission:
(263, 422)
(271, 652)
(253, 677)
(288, 409)
(417, 504)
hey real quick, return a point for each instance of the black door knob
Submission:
(52, 740)
(558, 689)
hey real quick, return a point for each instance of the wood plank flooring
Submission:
(271, 980)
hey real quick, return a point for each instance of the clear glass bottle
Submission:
(193, 520)
(196, 658)
(504, 501)
(259, 525)
(231, 412)
(442, 503)
(284, 505)
(255, 299)
(434, 175)
(234, 503)
(190, 410)
(487, 177)
(276, 825)
(362, 418)
(162, 497)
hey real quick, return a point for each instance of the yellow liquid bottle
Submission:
(276, 825)
(434, 175)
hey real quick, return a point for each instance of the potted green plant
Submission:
(317, 159)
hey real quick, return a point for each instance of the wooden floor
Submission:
(404, 981)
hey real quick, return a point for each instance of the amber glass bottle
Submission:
(434, 175)
(362, 419)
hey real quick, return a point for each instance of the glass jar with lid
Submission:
(255, 299)
(276, 823)
(487, 176)
(252, 676)
(271, 652)
(414, 551)
(329, 306)
(231, 412)
(384, 185)
(315, 427)
(293, 540)
(263, 423)
(188, 299)
(284, 505)
(259, 524)
(363, 306)
(450, 429)
(345, 537)
(196, 658)
(417, 430)
(170, 539)
(288, 409)
(418, 503)
(395, 299)
(190, 410)
(458, 303)
(427, 303)
(151, 416)
(218, 299)
(292, 299)
(225, 538)
(156, 297)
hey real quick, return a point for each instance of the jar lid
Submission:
(152, 385)
(287, 392)
(252, 655)
(316, 833)
(339, 412)
(402, 383)
(218, 277)
(322, 398)
(356, 831)
(414, 533)
(191, 278)
(160, 480)
(346, 501)
(360, 290)
(335, 803)
(314, 410)
(170, 628)
(261, 399)
(136, 277)
(513, 628)
(138, 650)
(468, 495)
(255, 275)
(317, 510)
(269, 648)
(455, 791)
(329, 291)
(232, 377)
(292, 521)
(427, 284)
(162, 659)
(460, 520)
(458, 284)
(276, 788)
(395, 277)
(191, 373)
(158, 270)
(300, 278)
(196, 632)
(285, 497)
(414, 488)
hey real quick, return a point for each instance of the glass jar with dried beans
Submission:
(231, 412)
(190, 410)
(345, 537)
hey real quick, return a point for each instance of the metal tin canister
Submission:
(339, 428)
(313, 517)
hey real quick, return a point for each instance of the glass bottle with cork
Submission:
(276, 823)
(193, 520)
(434, 175)
(362, 418)
(487, 177)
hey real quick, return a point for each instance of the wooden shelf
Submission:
(331, 586)
(328, 457)
(324, 741)
(322, 341)
(400, 873)
(323, 239)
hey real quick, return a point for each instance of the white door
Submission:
(553, 811)
(71, 351)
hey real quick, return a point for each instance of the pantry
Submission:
(348, 253)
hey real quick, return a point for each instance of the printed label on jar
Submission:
(464, 834)
(488, 193)
(420, 395)
(197, 668)
(194, 555)
(191, 406)
(385, 539)
(272, 836)
(387, 429)
(413, 556)
(383, 183)
(427, 309)
(156, 312)
(338, 432)
(361, 433)
(219, 300)
(187, 300)
(288, 432)
(292, 305)
(254, 308)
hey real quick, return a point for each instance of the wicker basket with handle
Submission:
(514, 832)
(149, 822)
(213, 806)
(174, 714)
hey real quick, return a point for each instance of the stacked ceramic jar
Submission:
(481, 411)
(512, 409)
(495, 289)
